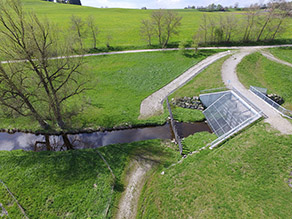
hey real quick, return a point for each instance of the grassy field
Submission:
(72, 184)
(245, 178)
(257, 70)
(118, 84)
(284, 53)
(122, 24)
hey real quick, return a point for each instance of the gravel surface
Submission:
(136, 178)
(271, 57)
(230, 79)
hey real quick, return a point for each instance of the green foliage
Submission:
(187, 115)
(245, 178)
(256, 70)
(71, 184)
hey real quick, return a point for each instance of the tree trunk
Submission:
(67, 142)
(48, 144)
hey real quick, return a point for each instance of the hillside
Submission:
(123, 25)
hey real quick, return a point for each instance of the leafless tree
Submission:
(109, 39)
(172, 22)
(284, 10)
(78, 27)
(267, 18)
(157, 18)
(250, 22)
(204, 27)
(165, 24)
(39, 86)
(93, 30)
(147, 31)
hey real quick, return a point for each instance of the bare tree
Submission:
(93, 30)
(229, 26)
(204, 27)
(172, 22)
(109, 39)
(40, 86)
(267, 19)
(251, 17)
(78, 27)
(147, 31)
(284, 11)
(157, 18)
(165, 24)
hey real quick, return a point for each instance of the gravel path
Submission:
(274, 59)
(136, 178)
(230, 79)
(152, 105)
(156, 50)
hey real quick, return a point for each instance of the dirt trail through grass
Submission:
(135, 181)
(271, 57)
(230, 79)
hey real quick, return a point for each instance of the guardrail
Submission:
(284, 112)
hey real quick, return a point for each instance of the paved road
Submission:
(230, 79)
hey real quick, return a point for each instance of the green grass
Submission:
(198, 140)
(118, 85)
(245, 178)
(61, 184)
(207, 79)
(187, 115)
(122, 24)
(257, 70)
(284, 53)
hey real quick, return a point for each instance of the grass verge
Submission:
(256, 70)
(283, 53)
(245, 178)
(187, 115)
(208, 79)
(72, 184)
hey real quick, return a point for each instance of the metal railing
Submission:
(174, 129)
(284, 112)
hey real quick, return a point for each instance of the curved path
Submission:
(154, 50)
(271, 57)
(230, 79)
(153, 104)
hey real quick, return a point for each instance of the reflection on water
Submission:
(97, 139)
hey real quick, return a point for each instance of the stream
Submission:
(27, 141)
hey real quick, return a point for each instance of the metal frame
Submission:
(284, 112)
(229, 114)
